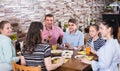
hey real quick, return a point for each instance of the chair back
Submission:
(17, 67)
(118, 67)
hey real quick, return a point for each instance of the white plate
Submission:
(79, 56)
(55, 59)
(56, 51)
(90, 57)
(67, 53)
(83, 56)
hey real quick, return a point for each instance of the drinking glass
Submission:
(54, 46)
(88, 50)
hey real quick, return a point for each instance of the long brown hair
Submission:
(33, 37)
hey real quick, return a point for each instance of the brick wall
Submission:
(25, 11)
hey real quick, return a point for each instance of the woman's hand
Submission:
(93, 51)
(22, 60)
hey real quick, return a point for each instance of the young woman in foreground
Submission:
(35, 52)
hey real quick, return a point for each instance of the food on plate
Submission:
(82, 52)
(89, 57)
(56, 51)
(57, 59)
(66, 60)
(79, 56)
(84, 56)
(67, 53)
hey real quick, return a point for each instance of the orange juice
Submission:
(88, 50)
(54, 47)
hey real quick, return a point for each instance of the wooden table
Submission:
(75, 65)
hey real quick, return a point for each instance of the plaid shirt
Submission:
(96, 44)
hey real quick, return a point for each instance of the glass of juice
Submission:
(88, 50)
(54, 46)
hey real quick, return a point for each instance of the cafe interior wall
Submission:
(25, 11)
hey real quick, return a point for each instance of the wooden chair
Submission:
(17, 67)
(86, 38)
(118, 67)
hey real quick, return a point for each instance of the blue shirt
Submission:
(108, 57)
(74, 40)
(7, 50)
(96, 44)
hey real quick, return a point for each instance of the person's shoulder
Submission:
(116, 41)
(67, 33)
(110, 42)
(80, 33)
(101, 39)
(43, 45)
(4, 38)
(57, 28)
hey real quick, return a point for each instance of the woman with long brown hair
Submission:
(35, 52)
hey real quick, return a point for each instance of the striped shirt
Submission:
(96, 44)
(37, 57)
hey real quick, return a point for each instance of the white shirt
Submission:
(108, 57)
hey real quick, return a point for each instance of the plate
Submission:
(89, 57)
(56, 51)
(82, 52)
(83, 56)
(79, 57)
(67, 53)
(57, 59)
(66, 60)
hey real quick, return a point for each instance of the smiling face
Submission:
(49, 22)
(6, 30)
(72, 27)
(104, 30)
(93, 31)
